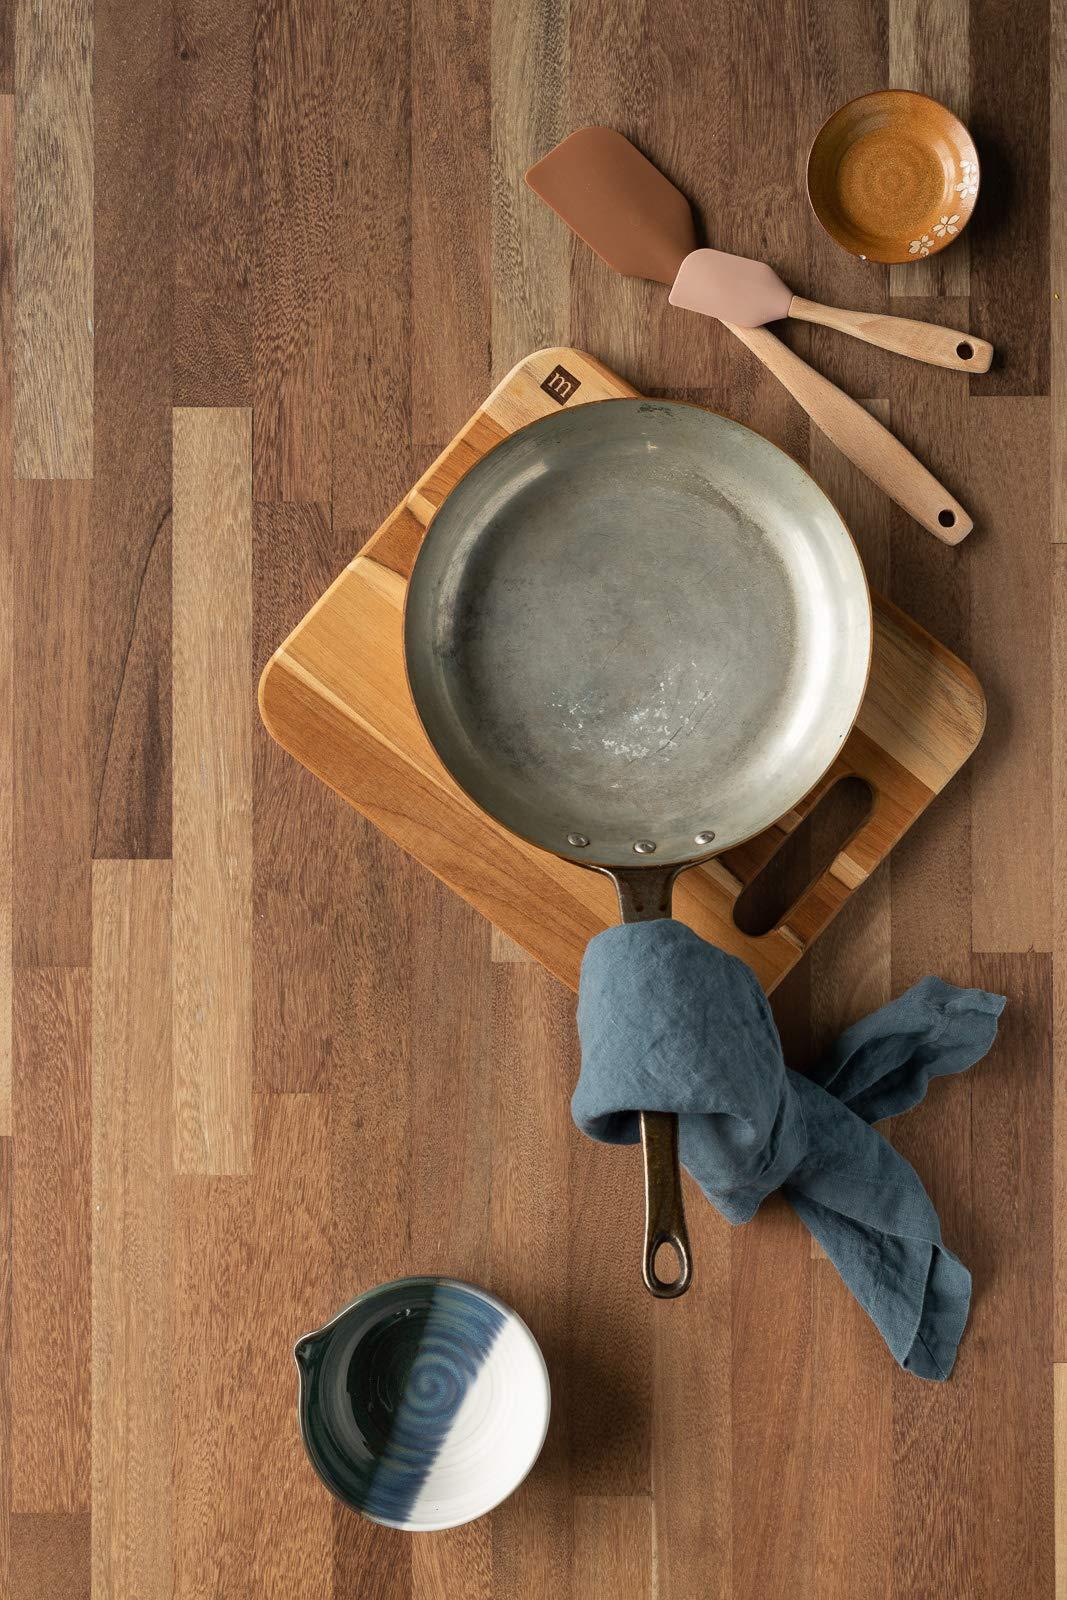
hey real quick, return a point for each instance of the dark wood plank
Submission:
(772, 1400)
(1011, 1155)
(450, 135)
(253, 1270)
(292, 338)
(533, 1062)
(8, 13)
(214, 163)
(52, 827)
(50, 1555)
(7, 598)
(133, 1229)
(130, 572)
(371, 314)
(305, 845)
(1009, 233)
(51, 1252)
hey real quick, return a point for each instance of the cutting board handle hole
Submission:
(803, 856)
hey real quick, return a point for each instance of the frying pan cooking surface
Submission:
(637, 622)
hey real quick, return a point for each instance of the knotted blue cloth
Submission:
(670, 1023)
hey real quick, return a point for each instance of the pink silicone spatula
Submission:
(751, 294)
(641, 225)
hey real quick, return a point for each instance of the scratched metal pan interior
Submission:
(637, 623)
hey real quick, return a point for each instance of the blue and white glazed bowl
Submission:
(424, 1403)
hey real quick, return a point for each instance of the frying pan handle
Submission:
(664, 1210)
(645, 896)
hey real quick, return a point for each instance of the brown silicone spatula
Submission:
(751, 293)
(641, 225)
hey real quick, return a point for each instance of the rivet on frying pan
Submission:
(704, 838)
(644, 847)
(578, 840)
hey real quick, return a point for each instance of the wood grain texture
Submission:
(7, 602)
(302, 849)
(212, 789)
(132, 1230)
(319, 213)
(130, 575)
(532, 1052)
(1011, 1157)
(53, 346)
(253, 1270)
(7, 1183)
(214, 162)
(51, 1260)
(372, 312)
(8, 14)
(529, 60)
(613, 1545)
(50, 1555)
(1058, 264)
(927, 44)
(52, 824)
(1059, 948)
(1009, 271)
(292, 335)
(1011, 597)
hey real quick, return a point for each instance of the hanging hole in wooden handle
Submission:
(964, 350)
(947, 518)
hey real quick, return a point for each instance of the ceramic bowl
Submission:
(424, 1403)
(893, 176)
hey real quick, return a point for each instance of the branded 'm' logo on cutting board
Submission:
(561, 384)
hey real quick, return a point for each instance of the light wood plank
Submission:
(7, 599)
(212, 789)
(1011, 858)
(53, 349)
(133, 1356)
(529, 62)
(51, 1248)
(613, 1546)
(928, 51)
(50, 1556)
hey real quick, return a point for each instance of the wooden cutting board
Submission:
(335, 696)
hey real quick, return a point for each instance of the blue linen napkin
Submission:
(670, 1023)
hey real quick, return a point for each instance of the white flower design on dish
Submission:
(967, 188)
(947, 225)
(921, 247)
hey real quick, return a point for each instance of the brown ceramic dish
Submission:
(893, 176)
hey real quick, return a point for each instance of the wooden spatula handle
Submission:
(862, 438)
(923, 341)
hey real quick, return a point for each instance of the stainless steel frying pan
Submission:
(636, 634)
